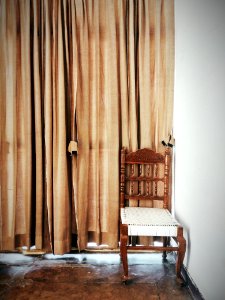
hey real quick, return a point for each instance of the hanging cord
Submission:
(169, 143)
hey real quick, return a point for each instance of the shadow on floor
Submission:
(89, 276)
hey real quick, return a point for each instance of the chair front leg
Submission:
(123, 249)
(181, 252)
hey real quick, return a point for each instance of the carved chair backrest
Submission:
(144, 178)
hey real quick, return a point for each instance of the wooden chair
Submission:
(144, 179)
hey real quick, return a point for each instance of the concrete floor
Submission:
(88, 276)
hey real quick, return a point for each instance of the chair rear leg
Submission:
(181, 252)
(123, 249)
(165, 244)
(134, 240)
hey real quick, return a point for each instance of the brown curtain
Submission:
(97, 72)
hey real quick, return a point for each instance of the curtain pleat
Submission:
(96, 72)
(61, 205)
(131, 99)
(38, 120)
(82, 126)
(73, 63)
(8, 123)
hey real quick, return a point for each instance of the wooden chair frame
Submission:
(146, 157)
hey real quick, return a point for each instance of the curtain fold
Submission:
(96, 72)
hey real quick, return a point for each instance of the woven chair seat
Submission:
(143, 221)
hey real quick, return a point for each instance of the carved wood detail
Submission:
(144, 156)
(143, 197)
(144, 178)
(122, 177)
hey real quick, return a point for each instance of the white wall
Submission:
(199, 129)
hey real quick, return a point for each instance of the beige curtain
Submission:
(35, 126)
(97, 72)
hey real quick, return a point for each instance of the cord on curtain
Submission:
(96, 72)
